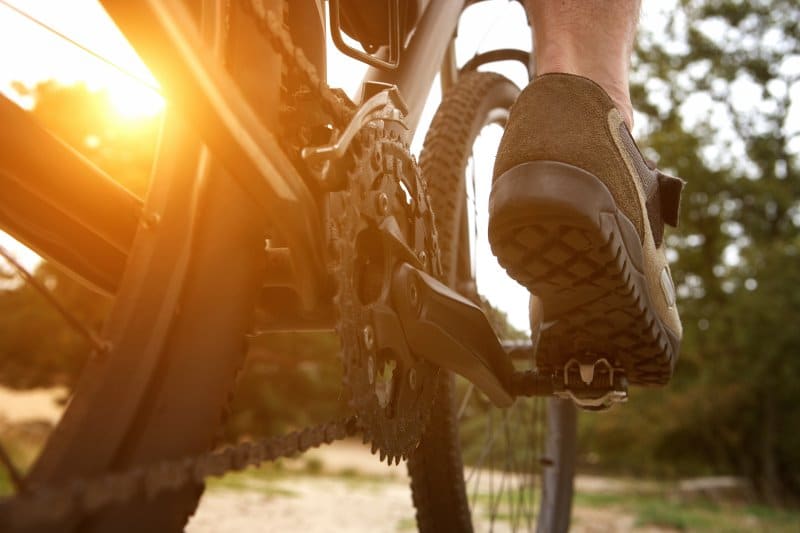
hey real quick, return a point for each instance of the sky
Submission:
(484, 26)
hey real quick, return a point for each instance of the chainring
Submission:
(381, 218)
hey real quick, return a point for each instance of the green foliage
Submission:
(664, 507)
(37, 347)
(289, 380)
(720, 122)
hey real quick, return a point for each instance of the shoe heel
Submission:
(556, 229)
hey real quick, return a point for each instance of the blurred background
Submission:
(716, 85)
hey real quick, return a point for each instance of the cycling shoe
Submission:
(577, 216)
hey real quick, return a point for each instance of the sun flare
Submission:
(69, 49)
(132, 101)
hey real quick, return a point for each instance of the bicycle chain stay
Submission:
(39, 505)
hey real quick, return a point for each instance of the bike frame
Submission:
(91, 230)
(97, 219)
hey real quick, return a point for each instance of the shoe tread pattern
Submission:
(584, 272)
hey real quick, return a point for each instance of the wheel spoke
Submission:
(82, 47)
(463, 407)
(97, 342)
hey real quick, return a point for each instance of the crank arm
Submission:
(452, 332)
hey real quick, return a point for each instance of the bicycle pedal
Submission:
(594, 385)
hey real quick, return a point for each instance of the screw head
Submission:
(423, 257)
(369, 337)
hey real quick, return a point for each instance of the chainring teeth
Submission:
(381, 166)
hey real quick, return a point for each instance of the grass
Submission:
(666, 509)
(657, 505)
(407, 524)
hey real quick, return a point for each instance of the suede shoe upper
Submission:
(570, 119)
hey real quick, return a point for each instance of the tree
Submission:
(716, 90)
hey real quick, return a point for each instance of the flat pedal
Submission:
(594, 385)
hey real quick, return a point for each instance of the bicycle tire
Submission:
(436, 468)
(161, 391)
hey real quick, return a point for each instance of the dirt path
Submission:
(310, 505)
(354, 492)
(351, 491)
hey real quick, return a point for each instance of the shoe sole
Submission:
(556, 229)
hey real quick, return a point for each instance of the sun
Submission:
(132, 101)
(71, 43)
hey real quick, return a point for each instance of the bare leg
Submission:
(590, 38)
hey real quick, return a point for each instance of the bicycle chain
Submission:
(272, 27)
(51, 504)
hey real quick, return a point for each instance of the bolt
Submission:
(371, 370)
(369, 337)
(383, 204)
(412, 379)
(150, 220)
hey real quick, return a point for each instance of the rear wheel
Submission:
(176, 330)
(479, 467)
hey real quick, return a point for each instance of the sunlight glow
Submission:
(50, 57)
(133, 101)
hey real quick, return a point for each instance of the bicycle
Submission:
(283, 195)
